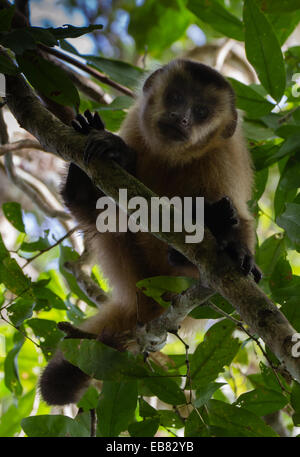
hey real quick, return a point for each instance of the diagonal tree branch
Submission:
(216, 271)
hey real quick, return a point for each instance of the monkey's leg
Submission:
(233, 234)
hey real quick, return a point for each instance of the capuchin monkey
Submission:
(180, 138)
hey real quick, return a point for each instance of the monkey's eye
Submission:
(201, 112)
(175, 98)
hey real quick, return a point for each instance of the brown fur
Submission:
(208, 165)
(212, 161)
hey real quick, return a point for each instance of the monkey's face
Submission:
(186, 107)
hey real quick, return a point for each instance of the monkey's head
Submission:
(186, 106)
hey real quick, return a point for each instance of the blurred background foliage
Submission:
(254, 43)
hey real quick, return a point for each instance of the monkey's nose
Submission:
(179, 119)
(184, 121)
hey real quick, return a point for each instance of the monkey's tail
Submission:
(61, 382)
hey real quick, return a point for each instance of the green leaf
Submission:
(287, 187)
(295, 396)
(47, 333)
(102, 362)
(10, 421)
(165, 389)
(205, 393)
(195, 426)
(51, 299)
(156, 286)
(7, 67)
(278, 6)
(66, 46)
(262, 401)
(53, 426)
(256, 130)
(145, 428)
(70, 31)
(18, 41)
(156, 25)
(217, 350)
(116, 407)
(284, 23)
(219, 18)
(263, 50)
(13, 213)
(250, 101)
(3, 251)
(41, 35)
(119, 71)
(145, 410)
(269, 253)
(290, 222)
(49, 79)
(261, 179)
(169, 419)
(11, 371)
(270, 381)
(291, 310)
(6, 15)
(239, 421)
(39, 245)
(12, 276)
(283, 283)
(112, 119)
(67, 254)
(89, 400)
(205, 312)
(19, 311)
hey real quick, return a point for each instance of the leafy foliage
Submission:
(228, 398)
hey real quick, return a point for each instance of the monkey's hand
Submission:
(244, 259)
(101, 142)
(223, 221)
(221, 217)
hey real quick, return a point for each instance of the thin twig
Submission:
(51, 247)
(241, 327)
(21, 144)
(92, 71)
(93, 422)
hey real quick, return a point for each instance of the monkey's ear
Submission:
(230, 127)
(149, 81)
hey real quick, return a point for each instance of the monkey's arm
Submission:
(230, 232)
(79, 193)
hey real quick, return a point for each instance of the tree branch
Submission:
(217, 272)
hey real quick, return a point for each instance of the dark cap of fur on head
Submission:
(198, 71)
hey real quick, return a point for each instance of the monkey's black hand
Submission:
(223, 221)
(244, 259)
(101, 142)
(85, 124)
(220, 218)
